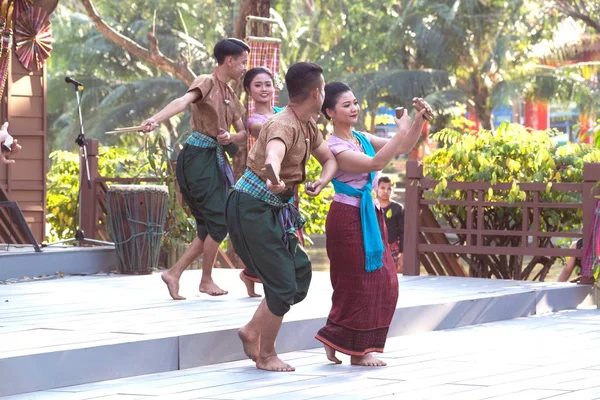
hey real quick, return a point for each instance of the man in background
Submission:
(394, 219)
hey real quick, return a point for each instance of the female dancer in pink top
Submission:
(363, 274)
(258, 84)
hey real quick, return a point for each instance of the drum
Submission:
(136, 219)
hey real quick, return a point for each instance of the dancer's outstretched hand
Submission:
(314, 188)
(149, 125)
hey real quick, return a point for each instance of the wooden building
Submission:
(24, 107)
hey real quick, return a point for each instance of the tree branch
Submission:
(179, 70)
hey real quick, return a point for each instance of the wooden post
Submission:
(414, 173)
(88, 203)
(591, 175)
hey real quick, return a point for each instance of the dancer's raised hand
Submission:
(9, 146)
(403, 123)
(420, 104)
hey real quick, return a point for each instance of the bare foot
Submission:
(274, 364)
(367, 360)
(208, 286)
(331, 355)
(172, 284)
(249, 285)
(250, 342)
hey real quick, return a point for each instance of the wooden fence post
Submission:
(412, 213)
(88, 203)
(591, 175)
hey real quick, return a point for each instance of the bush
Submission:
(512, 154)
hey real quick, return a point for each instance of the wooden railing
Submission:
(426, 242)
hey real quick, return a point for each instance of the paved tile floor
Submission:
(555, 356)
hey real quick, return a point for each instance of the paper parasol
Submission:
(33, 38)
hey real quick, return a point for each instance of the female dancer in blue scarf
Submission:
(363, 274)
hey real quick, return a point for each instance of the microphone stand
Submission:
(82, 143)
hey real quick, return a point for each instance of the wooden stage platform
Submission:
(19, 261)
(76, 330)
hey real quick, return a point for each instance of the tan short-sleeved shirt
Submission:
(286, 127)
(210, 112)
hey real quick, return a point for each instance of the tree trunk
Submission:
(484, 115)
(481, 97)
(257, 8)
(152, 55)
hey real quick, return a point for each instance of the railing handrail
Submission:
(127, 180)
(427, 183)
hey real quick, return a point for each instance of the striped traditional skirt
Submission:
(363, 302)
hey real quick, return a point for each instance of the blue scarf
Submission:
(370, 226)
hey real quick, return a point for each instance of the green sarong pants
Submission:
(258, 238)
(203, 189)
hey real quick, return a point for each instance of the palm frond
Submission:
(397, 87)
(444, 101)
(569, 83)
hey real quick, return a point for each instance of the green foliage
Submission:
(314, 209)
(512, 154)
(398, 87)
(481, 44)
(119, 89)
(449, 52)
(343, 37)
(63, 184)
